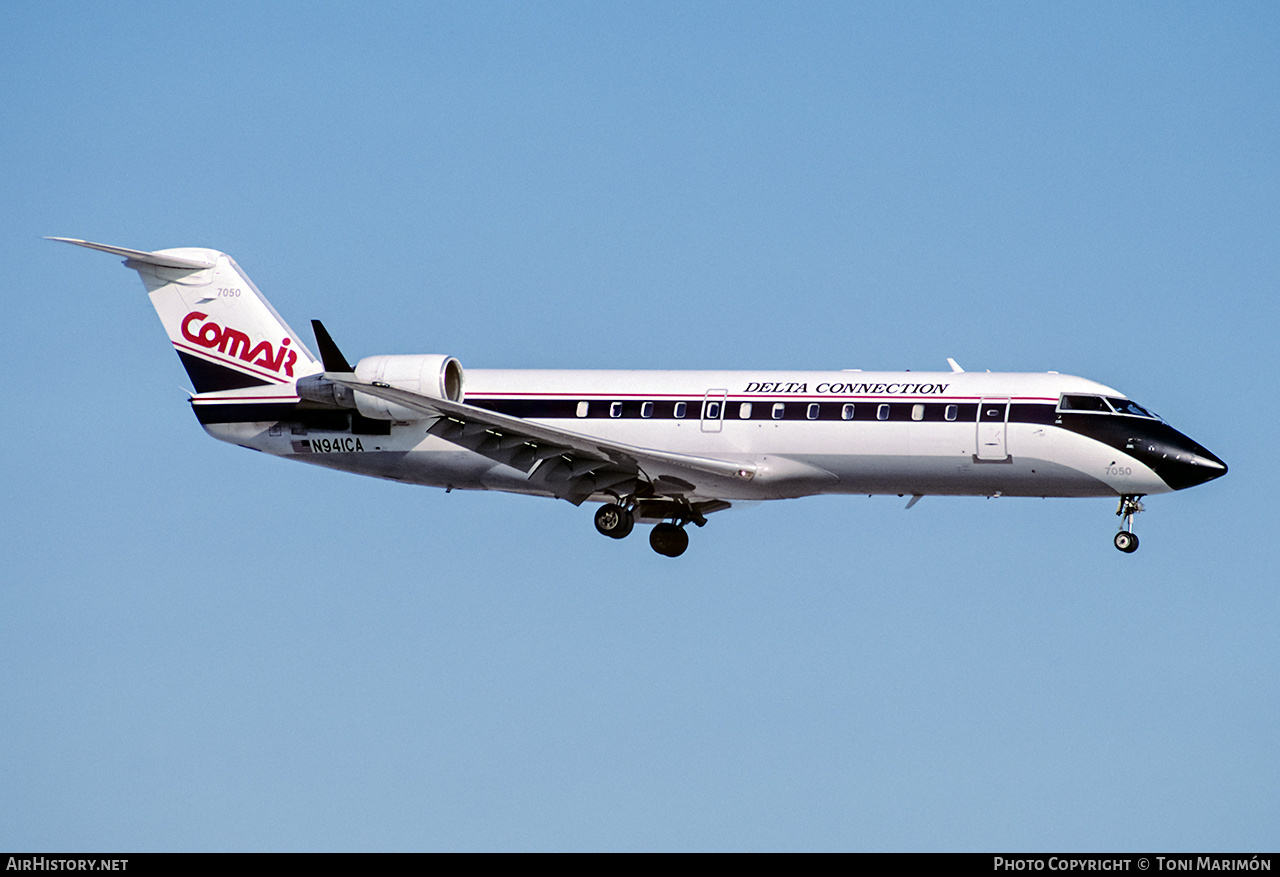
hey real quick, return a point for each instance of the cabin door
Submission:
(993, 429)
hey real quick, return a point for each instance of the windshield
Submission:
(1127, 406)
(1102, 405)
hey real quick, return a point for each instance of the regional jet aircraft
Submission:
(666, 448)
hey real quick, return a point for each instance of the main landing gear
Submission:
(1127, 540)
(668, 539)
(616, 521)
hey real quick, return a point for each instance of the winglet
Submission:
(955, 366)
(160, 260)
(330, 355)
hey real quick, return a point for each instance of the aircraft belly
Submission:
(954, 476)
(1041, 461)
(460, 469)
(407, 456)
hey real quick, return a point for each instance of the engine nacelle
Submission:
(440, 377)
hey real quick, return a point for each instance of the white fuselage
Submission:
(966, 433)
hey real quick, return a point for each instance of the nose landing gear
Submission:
(1126, 540)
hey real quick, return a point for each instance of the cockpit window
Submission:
(1127, 406)
(1083, 403)
(1102, 405)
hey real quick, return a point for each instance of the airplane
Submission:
(666, 448)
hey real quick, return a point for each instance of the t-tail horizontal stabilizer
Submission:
(160, 260)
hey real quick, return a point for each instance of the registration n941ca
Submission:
(666, 448)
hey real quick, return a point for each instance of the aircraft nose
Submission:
(1204, 466)
(1179, 461)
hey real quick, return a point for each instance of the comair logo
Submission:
(235, 343)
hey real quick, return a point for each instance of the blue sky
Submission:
(208, 649)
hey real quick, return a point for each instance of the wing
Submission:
(568, 464)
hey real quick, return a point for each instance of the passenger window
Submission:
(744, 411)
(779, 410)
(917, 411)
(846, 413)
(953, 411)
(615, 409)
(882, 413)
(712, 411)
(812, 413)
(681, 408)
(646, 410)
(583, 408)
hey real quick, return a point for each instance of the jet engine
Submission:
(439, 377)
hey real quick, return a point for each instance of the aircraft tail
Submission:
(226, 333)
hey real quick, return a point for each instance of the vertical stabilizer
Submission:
(226, 333)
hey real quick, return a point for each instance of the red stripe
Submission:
(570, 397)
(236, 363)
(197, 400)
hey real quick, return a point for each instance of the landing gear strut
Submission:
(1126, 540)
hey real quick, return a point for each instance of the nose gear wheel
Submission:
(1126, 540)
